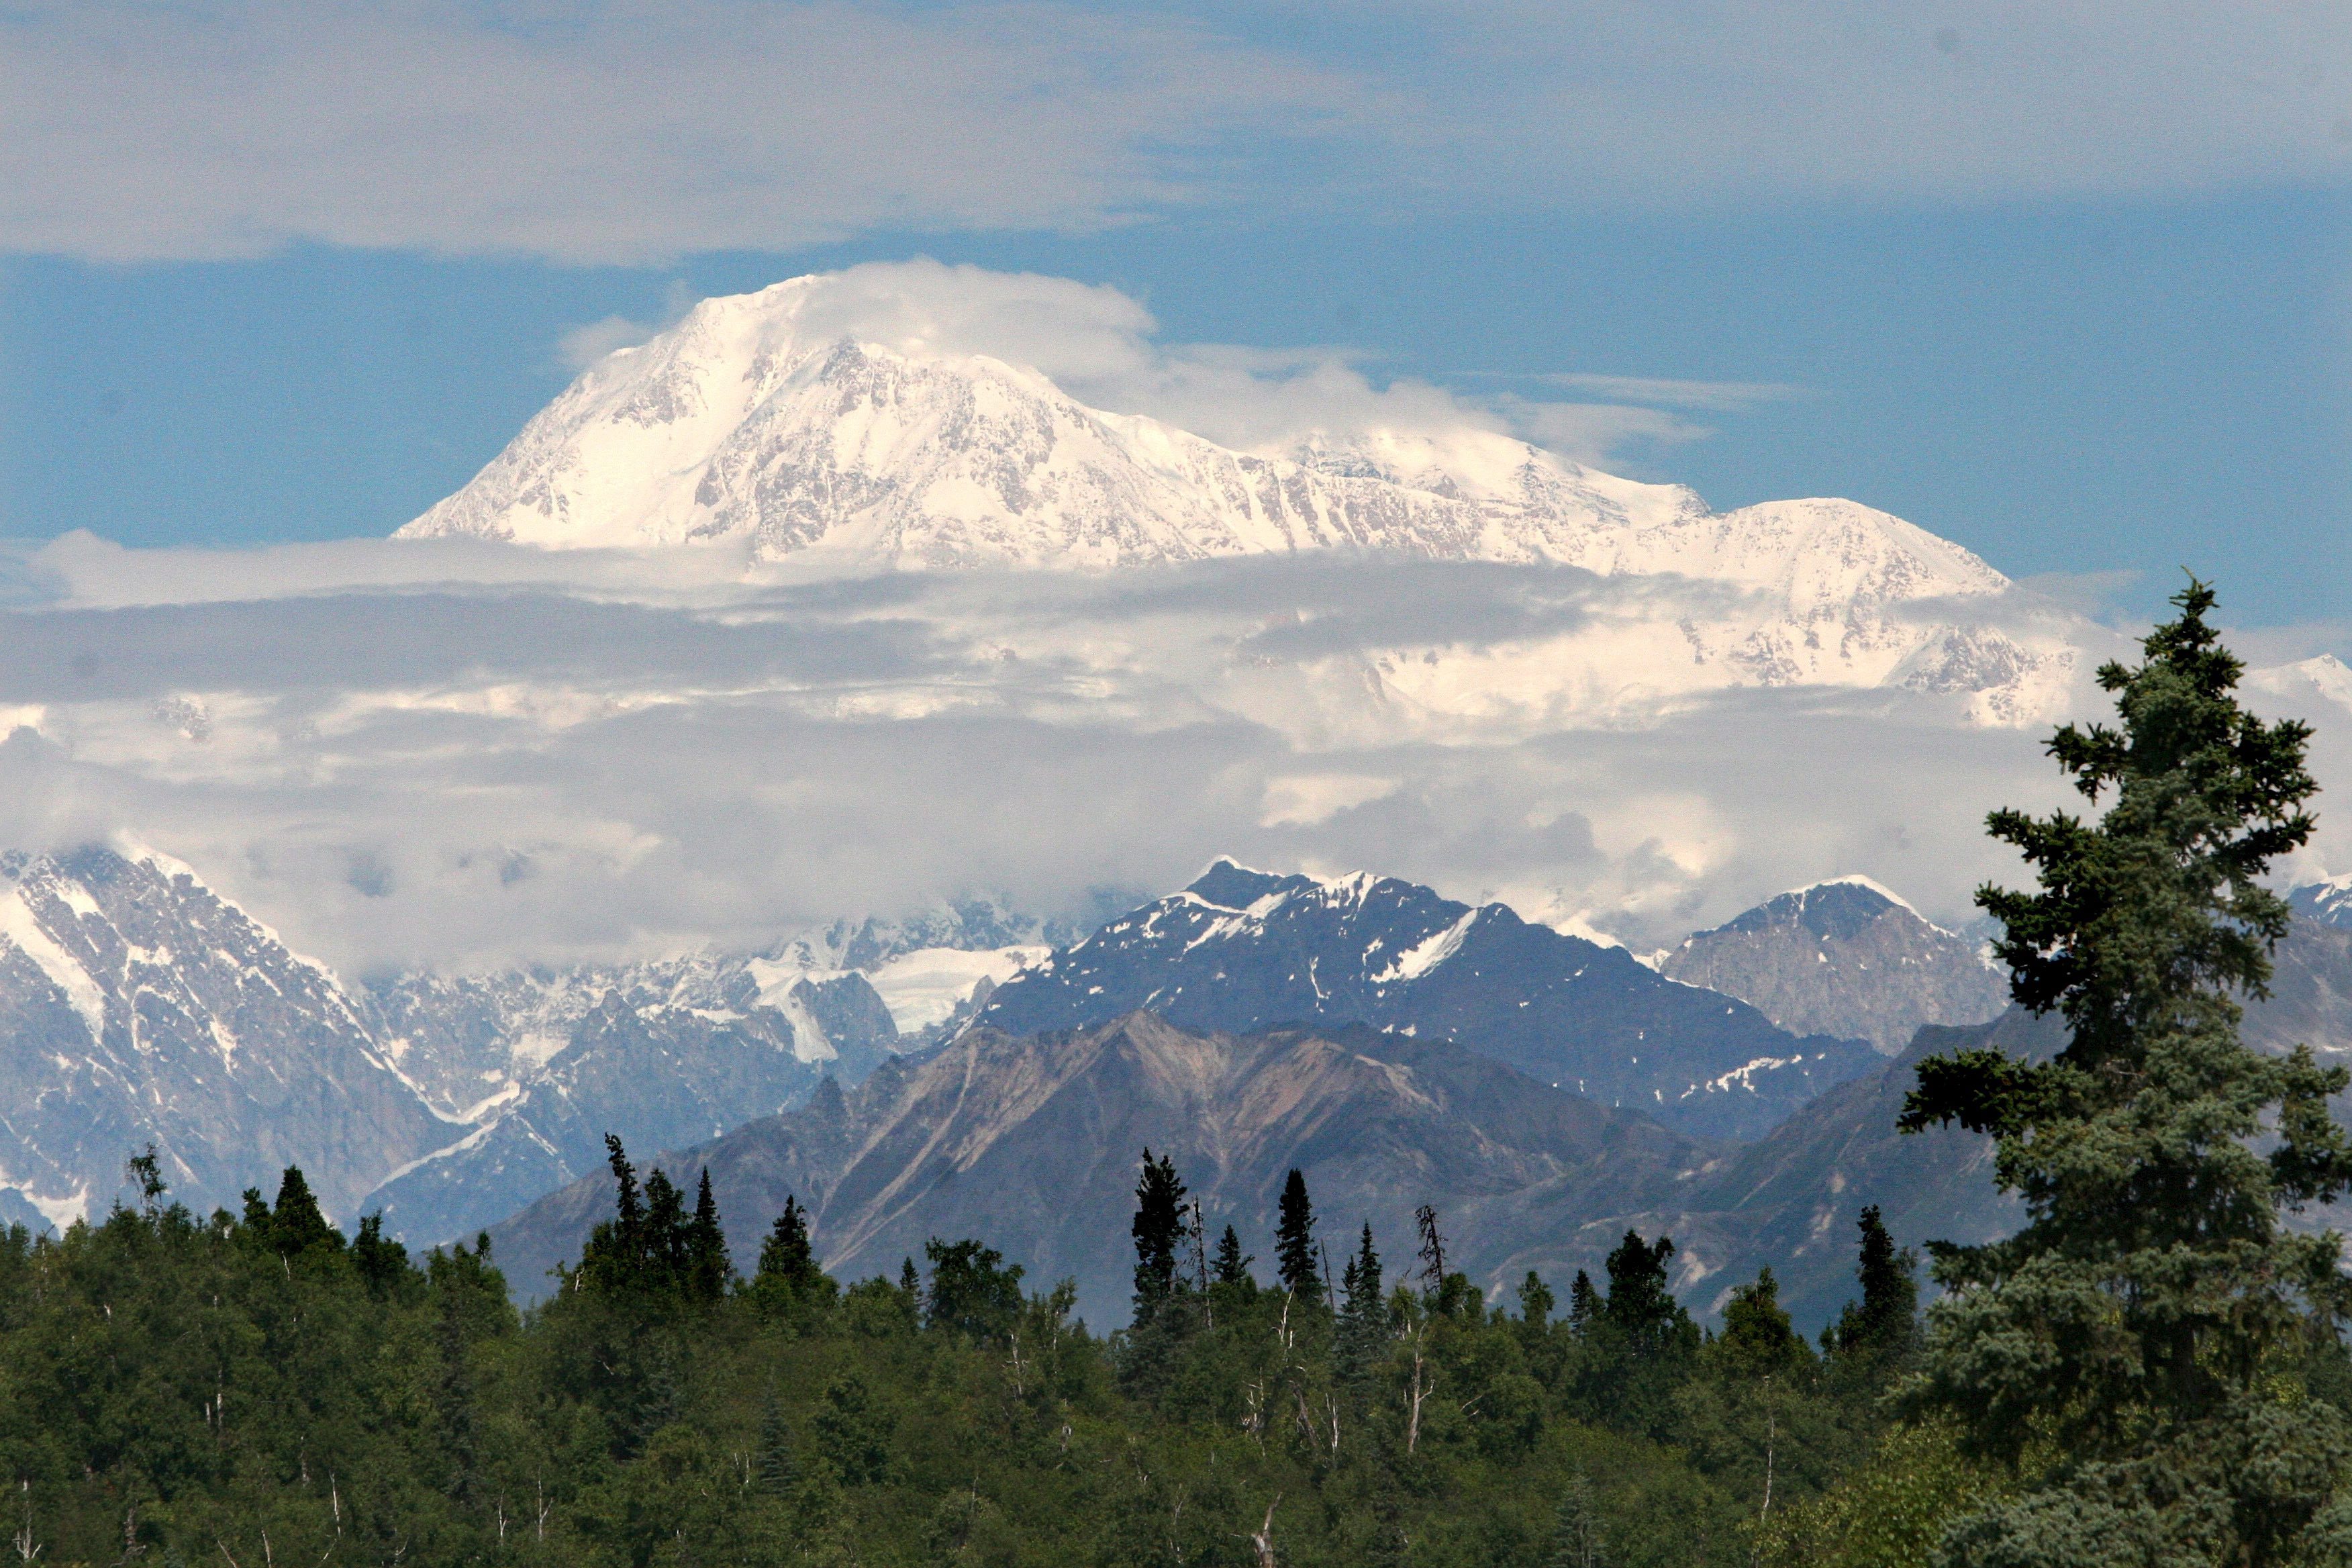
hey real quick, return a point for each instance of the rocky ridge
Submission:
(1242, 950)
(1843, 957)
(1031, 1143)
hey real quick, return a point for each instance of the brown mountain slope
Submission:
(1031, 1143)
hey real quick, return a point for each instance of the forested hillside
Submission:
(253, 1390)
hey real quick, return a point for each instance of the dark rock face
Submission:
(1843, 958)
(1032, 1143)
(136, 1005)
(1241, 950)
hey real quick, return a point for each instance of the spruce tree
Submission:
(1583, 1304)
(1641, 1311)
(2132, 1347)
(665, 1265)
(1159, 1228)
(1294, 1241)
(1232, 1263)
(1363, 1314)
(1576, 1529)
(709, 1268)
(1884, 1321)
(788, 1258)
(613, 1260)
(776, 1465)
(296, 1224)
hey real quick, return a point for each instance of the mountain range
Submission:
(1404, 1046)
(1030, 1141)
(137, 1005)
(1241, 950)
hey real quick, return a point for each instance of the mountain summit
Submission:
(757, 420)
(1845, 957)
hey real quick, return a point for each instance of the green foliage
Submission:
(2131, 1354)
(1882, 1322)
(972, 1292)
(788, 1266)
(650, 1246)
(187, 1388)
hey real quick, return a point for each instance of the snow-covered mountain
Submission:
(755, 421)
(656, 1068)
(137, 1005)
(2329, 902)
(1843, 957)
(1242, 950)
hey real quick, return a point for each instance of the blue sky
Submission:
(2073, 289)
(2068, 283)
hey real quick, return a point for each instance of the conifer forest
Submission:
(2150, 1371)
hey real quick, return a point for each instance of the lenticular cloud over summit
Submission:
(908, 582)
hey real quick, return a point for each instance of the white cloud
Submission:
(628, 132)
(506, 754)
(623, 132)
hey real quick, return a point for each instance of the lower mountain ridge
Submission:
(1031, 1143)
(1242, 950)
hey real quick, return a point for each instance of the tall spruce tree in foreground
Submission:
(1294, 1241)
(2133, 1349)
(1160, 1230)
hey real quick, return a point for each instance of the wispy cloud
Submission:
(1716, 396)
(629, 131)
(599, 132)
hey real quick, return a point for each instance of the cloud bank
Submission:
(462, 755)
(630, 132)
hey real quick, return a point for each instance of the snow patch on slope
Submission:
(18, 924)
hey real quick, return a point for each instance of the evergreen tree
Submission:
(1576, 1530)
(1432, 1249)
(1583, 1304)
(453, 1397)
(2139, 1328)
(614, 1260)
(1536, 1303)
(664, 1263)
(788, 1258)
(1160, 1228)
(1641, 1311)
(382, 1264)
(709, 1268)
(777, 1467)
(1294, 1241)
(294, 1224)
(1885, 1318)
(1233, 1264)
(1363, 1314)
